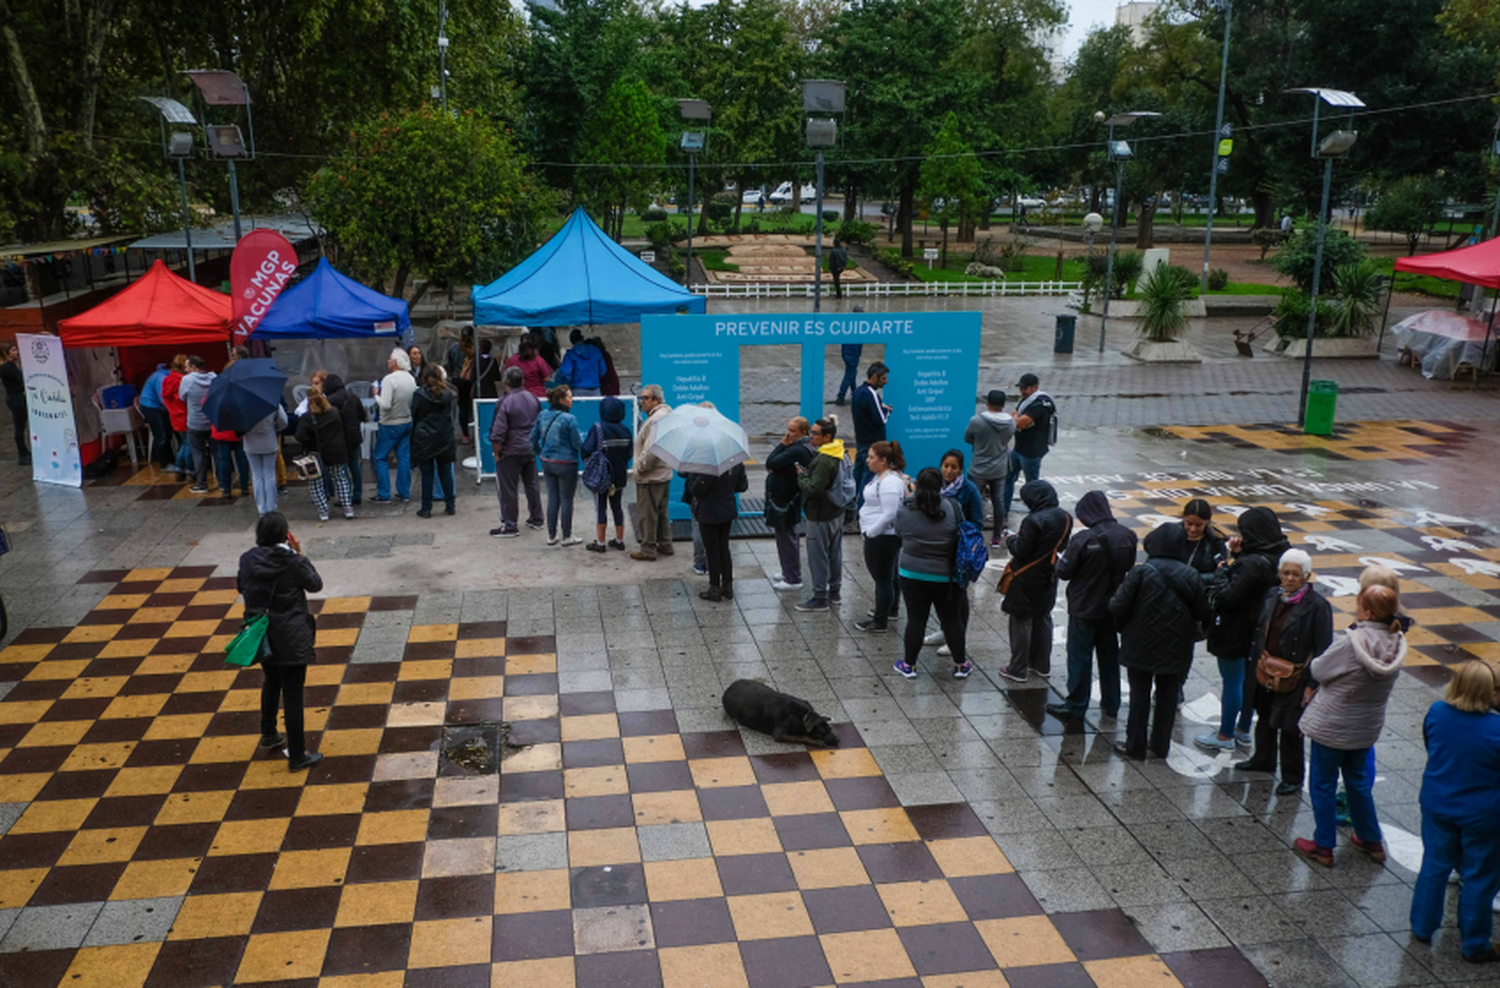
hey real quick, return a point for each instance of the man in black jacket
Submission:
(870, 415)
(1158, 608)
(1094, 565)
(784, 500)
(1033, 588)
(1236, 591)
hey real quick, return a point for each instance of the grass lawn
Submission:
(1037, 267)
(769, 222)
(1249, 288)
(1419, 284)
(714, 259)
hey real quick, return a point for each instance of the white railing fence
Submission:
(893, 289)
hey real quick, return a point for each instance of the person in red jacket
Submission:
(177, 411)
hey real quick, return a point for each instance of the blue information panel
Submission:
(933, 359)
(585, 410)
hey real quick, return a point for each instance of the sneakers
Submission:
(421, 513)
(1375, 849)
(617, 544)
(349, 512)
(936, 638)
(597, 547)
(780, 584)
(840, 400)
(945, 651)
(572, 540)
(962, 670)
(272, 740)
(505, 533)
(997, 544)
(642, 556)
(198, 489)
(889, 617)
(1312, 852)
(1014, 676)
(1243, 739)
(380, 500)
(1214, 743)
(700, 570)
(305, 761)
(536, 526)
(776, 578)
(324, 516)
(816, 604)
(450, 509)
(871, 628)
(552, 540)
(905, 669)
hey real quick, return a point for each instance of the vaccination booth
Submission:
(1441, 342)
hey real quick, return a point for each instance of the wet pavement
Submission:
(619, 830)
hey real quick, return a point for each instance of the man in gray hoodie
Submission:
(192, 391)
(990, 433)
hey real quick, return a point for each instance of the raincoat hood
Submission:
(1261, 531)
(1038, 495)
(267, 562)
(332, 383)
(1166, 542)
(1093, 508)
(612, 409)
(1378, 649)
(835, 449)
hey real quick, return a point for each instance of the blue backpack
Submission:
(970, 555)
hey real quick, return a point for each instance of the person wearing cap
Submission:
(1033, 425)
(582, 367)
(990, 434)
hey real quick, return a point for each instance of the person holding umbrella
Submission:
(244, 398)
(705, 447)
(715, 508)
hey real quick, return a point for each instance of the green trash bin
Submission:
(1322, 400)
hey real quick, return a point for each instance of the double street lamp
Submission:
(820, 96)
(220, 88)
(178, 145)
(693, 141)
(1335, 145)
(1118, 151)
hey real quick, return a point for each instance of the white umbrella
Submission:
(693, 439)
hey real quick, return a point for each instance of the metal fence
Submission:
(889, 289)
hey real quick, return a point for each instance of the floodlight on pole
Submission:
(178, 146)
(219, 87)
(1221, 133)
(693, 141)
(1118, 151)
(1333, 146)
(820, 96)
(443, 54)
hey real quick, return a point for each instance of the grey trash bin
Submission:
(1066, 326)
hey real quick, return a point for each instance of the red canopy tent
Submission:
(160, 308)
(1478, 264)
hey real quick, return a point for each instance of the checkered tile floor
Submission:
(1400, 441)
(153, 843)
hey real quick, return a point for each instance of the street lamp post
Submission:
(1333, 146)
(179, 146)
(693, 141)
(1495, 150)
(220, 88)
(1213, 172)
(820, 96)
(1119, 151)
(443, 54)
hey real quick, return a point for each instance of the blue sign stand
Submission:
(933, 359)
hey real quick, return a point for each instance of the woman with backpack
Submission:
(555, 439)
(432, 446)
(964, 493)
(1296, 625)
(883, 494)
(927, 525)
(610, 438)
(1158, 609)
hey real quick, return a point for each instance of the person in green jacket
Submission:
(825, 519)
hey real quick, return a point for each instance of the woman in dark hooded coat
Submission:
(432, 446)
(274, 579)
(1157, 609)
(1236, 592)
(613, 436)
(1033, 588)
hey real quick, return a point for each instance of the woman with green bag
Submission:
(274, 579)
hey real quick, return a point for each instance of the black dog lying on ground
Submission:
(786, 718)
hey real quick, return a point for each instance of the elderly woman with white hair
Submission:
(1296, 626)
(393, 395)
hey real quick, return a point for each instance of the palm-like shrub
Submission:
(1356, 290)
(1161, 295)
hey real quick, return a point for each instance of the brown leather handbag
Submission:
(1278, 675)
(1008, 575)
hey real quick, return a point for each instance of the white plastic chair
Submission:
(118, 422)
(299, 393)
(360, 389)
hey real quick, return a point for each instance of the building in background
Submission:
(1133, 15)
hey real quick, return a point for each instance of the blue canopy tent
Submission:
(580, 277)
(327, 305)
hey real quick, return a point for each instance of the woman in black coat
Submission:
(1204, 543)
(784, 500)
(1236, 591)
(1158, 610)
(1296, 625)
(715, 509)
(274, 579)
(1033, 590)
(432, 444)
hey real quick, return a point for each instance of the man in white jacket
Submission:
(393, 396)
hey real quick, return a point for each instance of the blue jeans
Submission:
(184, 453)
(230, 456)
(1018, 464)
(1031, 466)
(1233, 673)
(444, 475)
(395, 438)
(1473, 848)
(562, 486)
(851, 374)
(1085, 639)
(1324, 766)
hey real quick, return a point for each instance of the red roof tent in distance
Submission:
(1477, 264)
(159, 309)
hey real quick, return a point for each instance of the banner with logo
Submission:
(262, 263)
(49, 404)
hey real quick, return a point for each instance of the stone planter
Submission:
(1120, 308)
(1338, 348)
(1175, 352)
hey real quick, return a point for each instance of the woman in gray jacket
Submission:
(1344, 718)
(261, 446)
(928, 526)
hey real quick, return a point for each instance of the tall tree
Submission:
(625, 138)
(951, 180)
